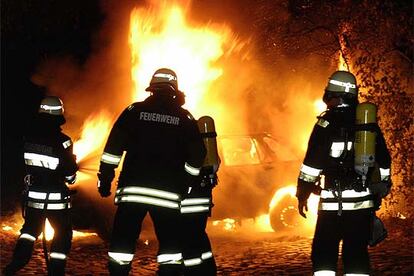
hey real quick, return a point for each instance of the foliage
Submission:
(376, 39)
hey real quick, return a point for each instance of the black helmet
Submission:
(163, 79)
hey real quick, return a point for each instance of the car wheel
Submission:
(284, 215)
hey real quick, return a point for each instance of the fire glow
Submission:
(161, 37)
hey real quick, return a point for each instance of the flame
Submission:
(227, 224)
(342, 64)
(94, 133)
(49, 231)
(161, 37)
(290, 190)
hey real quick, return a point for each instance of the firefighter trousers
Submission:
(197, 252)
(127, 228)
(32, 228)
(353, 228)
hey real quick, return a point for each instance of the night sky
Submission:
(32, 31)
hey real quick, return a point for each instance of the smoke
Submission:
(250, 97)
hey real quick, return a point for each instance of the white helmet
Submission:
(342, 84)
(51, 105)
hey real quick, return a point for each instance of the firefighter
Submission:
(164, 154)
(347, 203)
(49, 164)
(198, 257)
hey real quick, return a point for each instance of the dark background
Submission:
(32, 31)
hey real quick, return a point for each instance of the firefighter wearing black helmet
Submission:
(164, 152)
(49, 164)
(347, 200)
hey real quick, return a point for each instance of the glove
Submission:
(380, 189)
(71, 179)
(104, 191)
(303, 191)
(104, 183)
(303, 206)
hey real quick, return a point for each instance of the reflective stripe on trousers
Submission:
(197, 261)
(121, 258)
(172, 258)
(333, 273)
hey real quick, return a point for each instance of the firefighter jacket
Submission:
(331, 153)
(49, 164)
(163, 149)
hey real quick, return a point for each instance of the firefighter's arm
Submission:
(112, 155)
(195, 154)
(69, 165)
(310, 170)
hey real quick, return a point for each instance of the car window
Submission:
(237, 151)
(282, 152)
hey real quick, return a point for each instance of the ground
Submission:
(236, 253)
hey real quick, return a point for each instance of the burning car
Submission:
(253, 169)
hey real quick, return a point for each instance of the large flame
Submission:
(162, 37)
(94, 134)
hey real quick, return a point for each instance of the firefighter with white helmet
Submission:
(49, 164)
(196, 208)
(164, 152)
(350, 193)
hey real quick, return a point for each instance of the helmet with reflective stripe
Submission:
(342, 84)
(51, 105)
(163, 79)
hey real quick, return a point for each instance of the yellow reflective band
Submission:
(194, 209)
(111, 158)
(347, 85)
(121, 258)
(147, 200)
(40, 160)
(148, 191)
(347, 206)
(174, 258)
(345, 194)
(191, 170)
(323, 123)
(324, 273)
(192, 262)
(27, 237)
(195, 201)
(67, 144)
(207, 255)
(310, 171)
(56, 255)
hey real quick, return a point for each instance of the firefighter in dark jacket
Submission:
(164, 154)
(347, 199)
(49, 164)
(196, 208)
